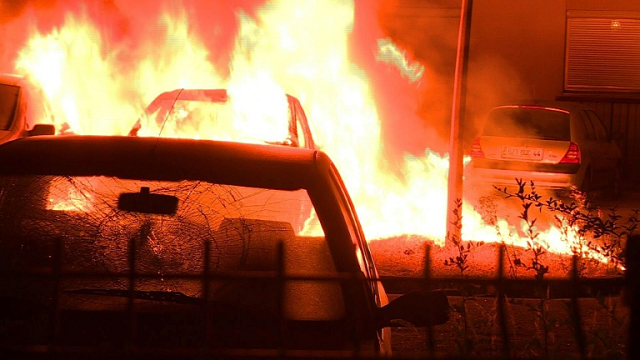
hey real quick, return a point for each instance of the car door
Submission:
(588, 142)
(606, 153)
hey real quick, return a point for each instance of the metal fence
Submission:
(579, 299)
(458, 339)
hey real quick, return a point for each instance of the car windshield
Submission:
(227, 119)
(74, 225)
(8, 103)
(528, 122)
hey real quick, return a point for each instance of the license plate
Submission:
(522, 153)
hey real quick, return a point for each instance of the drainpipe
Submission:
(457, 115)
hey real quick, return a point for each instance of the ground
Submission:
(405, 256)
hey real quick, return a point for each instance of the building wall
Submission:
(516, 50)
(526, 37)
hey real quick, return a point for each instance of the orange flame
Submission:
(282, 47)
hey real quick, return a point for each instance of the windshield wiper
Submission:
(171, 296)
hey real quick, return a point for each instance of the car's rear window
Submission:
(8, 103)
(221, 228)
(528, 122)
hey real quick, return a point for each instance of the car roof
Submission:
(12, 79)
(555, 104)
(216, 95)
(170, 159)
(194, 94)
(22, 81)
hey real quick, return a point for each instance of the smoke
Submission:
(429, 36)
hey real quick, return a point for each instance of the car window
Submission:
(600, 132)
(8, 104)
(217, 228)
(183, 117)
(528, 122)
(230, 120)
(587, 125)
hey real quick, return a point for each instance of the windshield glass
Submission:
(227, 119)
(8, 103)
(525, 122)
(73, 225)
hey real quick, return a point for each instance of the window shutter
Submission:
(602, 53)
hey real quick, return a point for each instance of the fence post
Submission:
(632, 294)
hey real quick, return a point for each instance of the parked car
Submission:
(557, 145)
(129, 245)
(24, 109)
(211, 113)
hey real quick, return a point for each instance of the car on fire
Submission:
(217, 114)
(556, 144)
(165, 246)
(24, 109)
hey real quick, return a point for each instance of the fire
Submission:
(100, 83)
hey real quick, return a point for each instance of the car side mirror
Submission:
(42, 129)
(420, 308)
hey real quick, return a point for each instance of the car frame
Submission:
(298, 126)
(30, 114)
(250, 165)
(586, 159)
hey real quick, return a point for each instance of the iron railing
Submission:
(460, 338)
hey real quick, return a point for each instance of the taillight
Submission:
(572, 156)
(476, 150)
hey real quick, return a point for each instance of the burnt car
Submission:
(113, 246)
(558, 145)
(216, 114)
(24, 109)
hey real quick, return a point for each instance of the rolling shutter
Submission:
(603, 53)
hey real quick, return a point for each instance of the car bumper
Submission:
(507, 178)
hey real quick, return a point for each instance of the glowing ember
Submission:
(100, 77)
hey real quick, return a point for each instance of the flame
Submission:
(100, 85)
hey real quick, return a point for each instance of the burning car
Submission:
(24, 109)
(129, 245)
(557, 145)
(218, 115)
